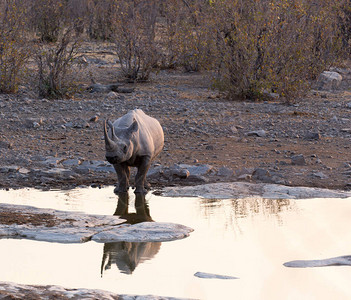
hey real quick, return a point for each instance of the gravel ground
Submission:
(46, 143)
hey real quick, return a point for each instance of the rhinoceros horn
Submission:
(108, 141)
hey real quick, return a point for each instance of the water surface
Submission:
(245, 238)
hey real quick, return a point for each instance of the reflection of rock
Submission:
(127, 255)
(335, 261)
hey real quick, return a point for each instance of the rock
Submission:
(125, 90)
(230, 190)
(74, 227)
(335, 261)
(9, 169)
(244, 171)
(197, 179)
(197, 170)
(261, 175)
(98, 88)
(50, 161)
(245, 177)
(57, 172)
(21, 291)
(114, 87)
(234, 130)
(225, 172)
(155, 172)
(143, 232)
(213, 276)
(112, 95)
(33, 122)
(77, 123)
(259, 133)
(298, 160)
(5, 145)
(179, 172)
(328, 81)
(23, 171)
(312, 136)
(320, 175)
(94, 166)
(94, 119)
(71, 162)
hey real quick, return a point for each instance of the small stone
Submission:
(347, 130)
(23, 171)
(259, 133)
(213, 276)
(5, 145)
(245, 177)
(298, 160)
(234, 129)
(312, 136)
(125, 90)
(112, 95)
(320, 175)
(9, 169)
(94, 119)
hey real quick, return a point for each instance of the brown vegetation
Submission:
(252, 48)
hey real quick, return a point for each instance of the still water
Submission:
(246, 238)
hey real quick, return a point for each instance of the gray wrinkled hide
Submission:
(133, 140)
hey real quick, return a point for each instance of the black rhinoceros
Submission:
(133, 140)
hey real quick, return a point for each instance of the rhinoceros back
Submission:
(149, 139)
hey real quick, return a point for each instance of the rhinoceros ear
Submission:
(134, 127)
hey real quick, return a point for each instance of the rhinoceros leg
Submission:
(122, 204)
(123, 173)
(140, 177)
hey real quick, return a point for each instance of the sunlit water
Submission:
(245, 238)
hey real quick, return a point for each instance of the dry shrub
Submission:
(47, 18)
(100, 21)
(277, 45)
(134, 37)
(55, 62)
(186, 34)
(14, 51)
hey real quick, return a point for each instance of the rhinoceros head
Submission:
(118, 148)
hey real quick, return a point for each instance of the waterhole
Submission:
(249, 239)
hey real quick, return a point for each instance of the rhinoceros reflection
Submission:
(127, 255)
